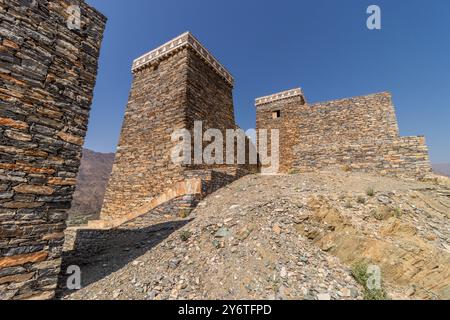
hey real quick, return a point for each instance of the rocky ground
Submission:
(277, 237)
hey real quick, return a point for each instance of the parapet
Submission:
(297, 92)
(182, 41)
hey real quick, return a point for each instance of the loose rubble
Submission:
(278, 237)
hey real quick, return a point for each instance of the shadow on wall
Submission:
(100, 253)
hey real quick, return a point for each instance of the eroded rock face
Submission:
(403, 230)
(47, 76)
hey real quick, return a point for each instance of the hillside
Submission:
(443, 169)
(278, 237)
(93, 178)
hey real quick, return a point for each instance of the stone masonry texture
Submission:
(172, 92)
(359, 133)
(47, 76)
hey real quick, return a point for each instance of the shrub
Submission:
(370, 192)
(184, 213)
(360, 274)
(361, 200)
(346, 168)
(397, 212)
(185, 235)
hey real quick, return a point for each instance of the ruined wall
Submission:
(174, 86)
(359, 133)
(47, 76)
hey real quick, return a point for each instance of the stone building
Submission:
(48, 68)
(174, 86)
(359, 133)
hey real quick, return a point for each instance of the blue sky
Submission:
(322, 46)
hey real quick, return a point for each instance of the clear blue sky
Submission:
(323, 46)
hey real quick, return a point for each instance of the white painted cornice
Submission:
(279, 96)
(184, 40)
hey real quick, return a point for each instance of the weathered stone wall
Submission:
(360, 133)
(287, 133)
(174, 86)
(143, 168)
(211, 181)
(348, 120)
(405, 156)
(210, 100)
(47, 76)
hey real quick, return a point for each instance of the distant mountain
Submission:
(93, 178)
(442, 168)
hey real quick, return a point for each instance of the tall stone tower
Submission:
(174, 85)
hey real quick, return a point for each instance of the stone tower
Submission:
(274, 112)
(174, 85)
(358, 133)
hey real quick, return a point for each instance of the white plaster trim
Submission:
(279, 96)
(185, 39)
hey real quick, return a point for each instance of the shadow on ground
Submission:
(99, 253)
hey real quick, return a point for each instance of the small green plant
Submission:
(362, 276)
(184, 213)
(346, 168)
(359, 272)
(185, 235)
(370, 192)
(361, 200)
(378, 214)
(293, 171)
(375, 294)
(397, 212)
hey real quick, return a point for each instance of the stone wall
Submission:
(174, 86)
(405, 156)
(359, 133)
(47, 76)
(143, 168)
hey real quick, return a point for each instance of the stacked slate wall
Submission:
(359, 133)
(48, 68)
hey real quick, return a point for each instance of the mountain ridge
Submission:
(442, 168)
(92, 181)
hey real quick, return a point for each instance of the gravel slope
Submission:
(269, 238)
